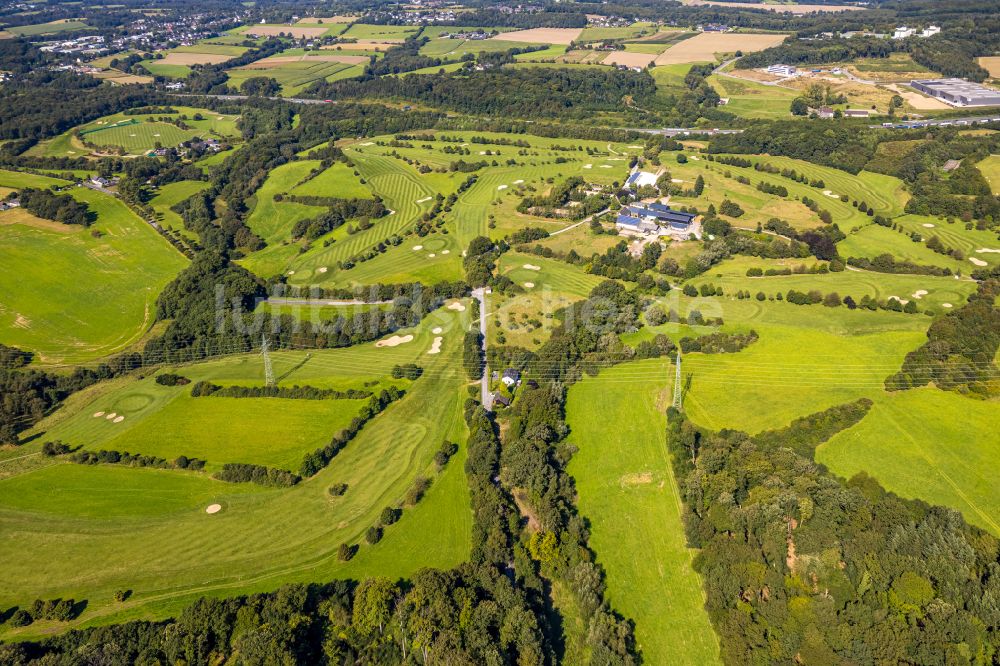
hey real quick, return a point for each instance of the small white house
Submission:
(903, 32)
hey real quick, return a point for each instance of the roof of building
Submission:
(958, 87)
(660, 212)
(628, 221)
(640, 178)
(511, 373)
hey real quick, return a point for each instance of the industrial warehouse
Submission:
(958, 92)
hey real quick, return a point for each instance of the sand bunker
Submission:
(501, 187)
(424, 199)
(928, 225)
(588, 166)
(695, 158)
(431, 255)
(984, 250)
(111, 416)
(529, 285)
(394, 341)
(322, 269)
(436, 346)
(977, 262)
(118, 419)
(456, 306)
(831, 194)
(291, 272)
(532, 267)
(417, 248)
(445, 251)
(676, 180)
(607, 166)
(904, 301)
(946, 305)
(98, 414)
(518, 182)
(213, 508)
(919, 293)
(437, 330)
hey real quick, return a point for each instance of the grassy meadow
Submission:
(627, 491)
(70, 295)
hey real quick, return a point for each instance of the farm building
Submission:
(654, 218)
(958, 92)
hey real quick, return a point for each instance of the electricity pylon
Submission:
(268, 370)
(677, 381)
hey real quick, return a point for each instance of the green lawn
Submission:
(626, 489)
(170, 552)
(935, 445)
(70, 296)
(378, 32)
(874, 240)
(159, 68)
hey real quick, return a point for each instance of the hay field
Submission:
(705, 46)
(51, 28)
(185, 58)
(627, 491)
(629, 59)
(560, 36)
(775, 7)
(315, 20)
(991, 64)
(280, 61)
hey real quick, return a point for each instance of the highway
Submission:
(943, 122)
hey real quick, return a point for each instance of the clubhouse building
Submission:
(656, 219)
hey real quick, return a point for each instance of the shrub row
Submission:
(207, 389)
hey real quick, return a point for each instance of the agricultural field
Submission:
(383, 33)
(598, 33)
(70, 295)
(177, 62)
(177, 552)
(750, 99)
(627, 491)
(51, 28)
(294, 31)
(295, 73)
(709, 46)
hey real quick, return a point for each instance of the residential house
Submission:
(510, 377)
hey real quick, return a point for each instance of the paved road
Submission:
(583, 221)
(484, 382)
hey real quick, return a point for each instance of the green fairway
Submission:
(139, 137)
(337, 181)
(731, 276)
(990, 168)
(71, 296)
(980, 244)
(262, 538)
(935, 445)
(874, 240)
(167, 422)
(168, 196)
(627, 491)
